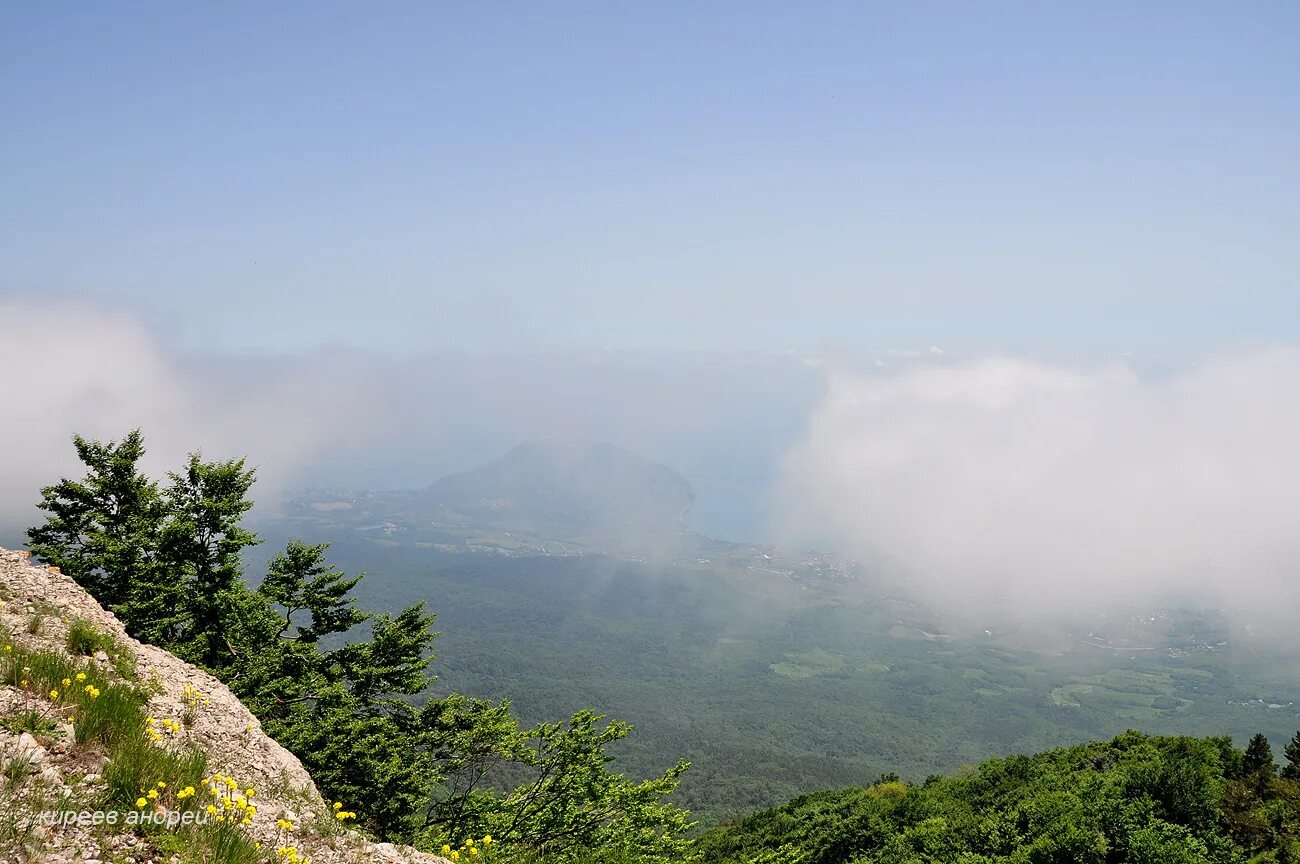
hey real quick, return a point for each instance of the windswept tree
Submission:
(314, 596)
(102, 530)
(570, 800)
(181, 602)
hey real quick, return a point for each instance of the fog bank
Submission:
(1014, 484)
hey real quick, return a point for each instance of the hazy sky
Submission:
(370, 243)
(1088, 177)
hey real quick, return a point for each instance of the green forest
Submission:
(353, 693)
(1135, 798)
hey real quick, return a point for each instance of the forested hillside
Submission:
(1135, 799)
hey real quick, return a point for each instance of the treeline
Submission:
(167, 560)
(1136, 799)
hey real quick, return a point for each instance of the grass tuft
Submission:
(115, 717)
(30, 720)
(85, 639)
(136, 763)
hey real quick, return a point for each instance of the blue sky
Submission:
(1085, 178)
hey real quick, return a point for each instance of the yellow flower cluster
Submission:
(170, 726)
(341, 814)
(469, 850)
(90, 689)
(191, 700)
(151, 797)
(228, 802)
(288, 852)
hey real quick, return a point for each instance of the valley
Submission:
(774, 672)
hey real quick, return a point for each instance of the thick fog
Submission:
(1010, 483)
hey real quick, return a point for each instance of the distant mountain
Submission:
(576, 484)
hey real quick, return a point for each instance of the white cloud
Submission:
(1016, 484)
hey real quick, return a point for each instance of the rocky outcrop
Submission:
(39, 604)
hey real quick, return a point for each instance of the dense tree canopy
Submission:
(1137, 799)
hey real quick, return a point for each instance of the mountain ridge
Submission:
(589, 484)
